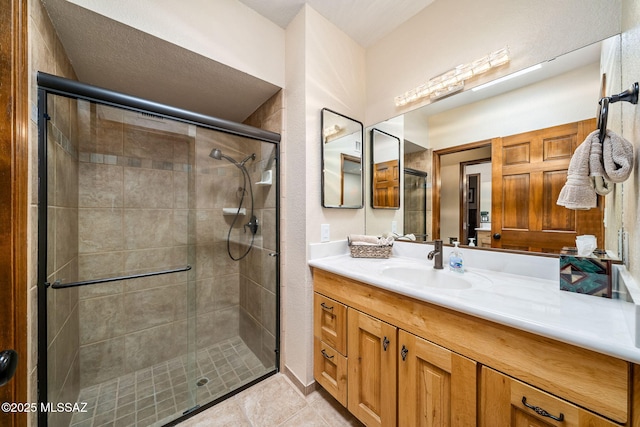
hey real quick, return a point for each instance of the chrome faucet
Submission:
(437, 254)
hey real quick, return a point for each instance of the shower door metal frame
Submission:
(54, 85)
(423, 175)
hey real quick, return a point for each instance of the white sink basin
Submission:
(429, 277)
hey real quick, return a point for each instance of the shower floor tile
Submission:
(156, 395)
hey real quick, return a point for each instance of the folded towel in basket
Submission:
(362, 239)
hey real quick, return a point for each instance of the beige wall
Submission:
(448, 33)
(325, 68)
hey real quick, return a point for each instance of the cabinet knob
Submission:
(404, 352)
(385, 343)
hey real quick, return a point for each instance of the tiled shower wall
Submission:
(414, 209)
(132, 218)
(258, 271)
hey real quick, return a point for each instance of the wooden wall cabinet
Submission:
(410, 363)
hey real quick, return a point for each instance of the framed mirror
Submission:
(385, 170)
(342, 161)
(457, 136)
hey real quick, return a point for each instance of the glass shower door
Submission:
(158, 259)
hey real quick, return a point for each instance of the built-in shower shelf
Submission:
(267, 178)
(234, 211)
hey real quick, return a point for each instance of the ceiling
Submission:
(365, 21)
(112, 55)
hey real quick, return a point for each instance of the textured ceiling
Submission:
(365, 21)
(112, 55)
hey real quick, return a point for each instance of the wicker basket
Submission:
(370, 251)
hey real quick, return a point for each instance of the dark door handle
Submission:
(8, 364)
(497, 236)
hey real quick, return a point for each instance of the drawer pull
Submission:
(538, 410)
(404, 352)
(326, 307)
(385, 343)
(326, 356)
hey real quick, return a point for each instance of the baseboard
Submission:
(304, 389)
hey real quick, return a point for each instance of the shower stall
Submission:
(415, 199)
(157, 258)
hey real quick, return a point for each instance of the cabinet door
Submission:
(371, 364)
(330, 370)
(505, 401)
(436, 387)
(330, 322)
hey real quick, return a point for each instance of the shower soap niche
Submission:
(267, 178)
(234, 211)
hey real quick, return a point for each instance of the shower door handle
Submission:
(8, 365)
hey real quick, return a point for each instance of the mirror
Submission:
(342, 161)
(562, 91)
(385, 170)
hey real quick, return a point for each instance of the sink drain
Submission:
(202, 381)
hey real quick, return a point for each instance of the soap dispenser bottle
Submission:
(456, 262)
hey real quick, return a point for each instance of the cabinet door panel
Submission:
(508, 402)
(330, 322)
(437, 388)
(372, 369)
(330, 370)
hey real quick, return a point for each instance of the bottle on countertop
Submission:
(456, 263)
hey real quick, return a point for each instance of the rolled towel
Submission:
(362, 238)
(578, 192)
(596, 168)
(618, 157)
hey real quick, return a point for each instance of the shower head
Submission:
(217, 154)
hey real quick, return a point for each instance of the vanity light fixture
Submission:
(331, 131)
(507, 77)
(453, 80)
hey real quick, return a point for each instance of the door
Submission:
(371, 365)
(436, 387)
(386, 184)
(529, 170)
(14, 156)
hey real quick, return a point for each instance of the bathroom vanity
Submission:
(484, 348)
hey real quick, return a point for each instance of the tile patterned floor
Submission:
(275, 402)
(154, 396)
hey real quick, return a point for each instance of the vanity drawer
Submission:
(330, 322)
(504, 399)
(330, 370)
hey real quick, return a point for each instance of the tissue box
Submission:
(585, 275)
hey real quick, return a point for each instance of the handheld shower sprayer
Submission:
(217, 154)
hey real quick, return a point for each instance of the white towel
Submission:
(593, 169)
(578, 192)
(618, 157)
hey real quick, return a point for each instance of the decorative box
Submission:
(585, 275)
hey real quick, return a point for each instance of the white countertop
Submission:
(531, 304)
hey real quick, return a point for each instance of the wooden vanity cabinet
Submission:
(484, 238)
(505, 401)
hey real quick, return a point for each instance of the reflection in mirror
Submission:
(342, 159)
(561, 92)
(385, 170)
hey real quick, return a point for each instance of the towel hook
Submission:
(629, 95)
